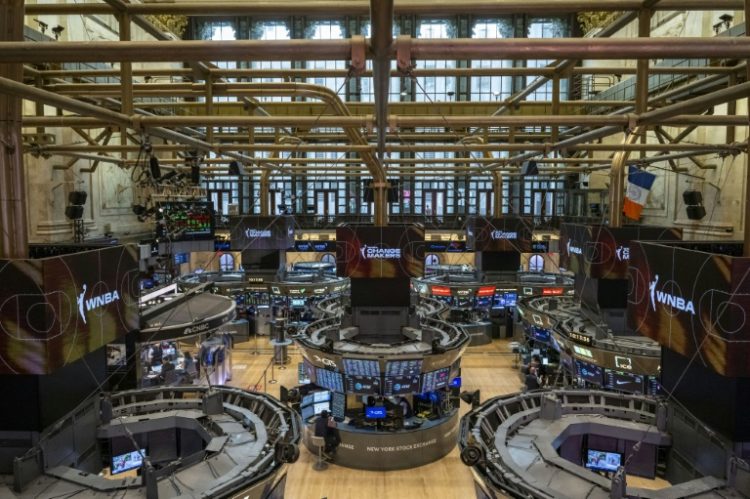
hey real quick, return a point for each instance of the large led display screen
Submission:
(253, 232)
(380, 252)
(692, 302)
(187, 221)
(499, 234)
(55, 310)
(602, 252)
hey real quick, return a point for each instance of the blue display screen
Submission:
(375, 412)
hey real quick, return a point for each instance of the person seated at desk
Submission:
(325, 426)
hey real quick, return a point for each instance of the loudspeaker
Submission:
(77, 197)
(234, 168)
(74, 212)
(696, 212)
(195, 174)
(367, 194)
(153, 163)
(692, 198)
(529, 168)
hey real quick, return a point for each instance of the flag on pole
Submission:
(639, 185)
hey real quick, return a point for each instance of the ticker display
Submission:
(362, 367)
(329, 379)
(435, 380)
(412, 367)
(338, 406)
(363, 385)
(187, 221)
(380, 252)
(401, 385)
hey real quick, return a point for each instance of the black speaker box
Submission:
(77, 197)
(529, 168)
(234, 168)
(195, 174)
(153, 163)
(692, 198)
(74, 212)
(696, 212)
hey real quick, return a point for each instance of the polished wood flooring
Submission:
(487, 368)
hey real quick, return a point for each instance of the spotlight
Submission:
(57, 30)
(74, 212)
(77, 197)
(471, 398)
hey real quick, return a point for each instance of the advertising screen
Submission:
(126, 462)
(375, 412)
(622, 381)
(187, 221)
(362, 367)
(435, 380)
(363, 385)
(380, 252)
(693, 302)
(338, 406)
(61, 308)
(403, 367)
(251, 232)
(329, 379)
(589, 372)
(401, 385)
(499, 234)
(603, 461)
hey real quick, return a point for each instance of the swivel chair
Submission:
(319, 442)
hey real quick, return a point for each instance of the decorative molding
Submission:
(593, 20)
(175, 24)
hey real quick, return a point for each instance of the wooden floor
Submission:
(487, 368)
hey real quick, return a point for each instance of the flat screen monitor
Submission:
(329, 379)
(187, 220)
(404, 367)
(323, 396)
(307, 412)
(308, 399)
(545, 361)
(401, 385)
(298, 302)
(589, 372)
(338, 406)
(654, 387)
(603, 461)
(363, 385)
(510, 299)
(435, 380)
(375, 412)
(362, 367)
(319, 407)
(126, 462)
(622, 381)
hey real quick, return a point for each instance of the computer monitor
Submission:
(603, 461)
(298, 303)
(320, 407)
(323, 396)
(308, 399)
(128, 461)
(307, 412)
(375, 412)
(545, 361)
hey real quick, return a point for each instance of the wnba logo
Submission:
(94, 302)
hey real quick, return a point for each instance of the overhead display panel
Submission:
(380, 252)
(362, 367)
(186, 221)
(251, 232)
(410, 367)
(499, 234)
(55, 310)
(692, 302)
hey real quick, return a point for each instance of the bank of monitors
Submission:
(623, 381)
(362, 367)
(363, 385)
(329, 379)
(589, 373)
(539, 334)
(338, 406)
(435, 380)
(653, 387)
(375, 412)
(412, 367)
(128, 461)
(602, 461)
(401, 385)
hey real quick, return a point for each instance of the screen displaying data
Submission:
(338, 406)
(362, 367)
(589, 372)
(411, 367)
(329, 379)
(363, 385)
(320, 407)
(654, 387)
(622, 381)
(603, 461)
(321, 396)
(435, 380)
(401, 385)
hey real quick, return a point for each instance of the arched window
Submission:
(226, 262)
(431, 259)
(328, 258)
(536, 263)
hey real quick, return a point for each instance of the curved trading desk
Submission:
(420, 365)
(370, 449)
